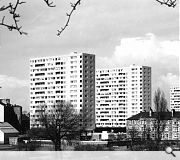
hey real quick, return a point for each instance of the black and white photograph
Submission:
(89, 79)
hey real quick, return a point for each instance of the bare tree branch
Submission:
(12, 8)
(68, 122)
(169, 3)
(73, 5)
(5, 7)
(133, 133)
(49, 4)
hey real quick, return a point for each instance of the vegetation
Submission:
(147, 132)
(157, 129)
(159, 124)
(92, 147)
(29, 146)
(59, 122)
(37, 133)
(133, 133)
(112, 137)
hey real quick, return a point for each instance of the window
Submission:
(73, 57)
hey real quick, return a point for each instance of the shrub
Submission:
(90, 147)
(31, 146)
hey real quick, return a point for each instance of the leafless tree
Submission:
(133, 133)
(59, 121)
(160, 102)
(159, 122)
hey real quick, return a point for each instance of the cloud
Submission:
(169, 79)
(16, 90)
(145, 50)
(12, 82)
(104, 62)
(95, 27)
(160, 55)
(166, 81)
(170, 47)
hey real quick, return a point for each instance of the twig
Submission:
(73, 5)
(169, 3)
(50, 4)
(15, 16)
(12, 8)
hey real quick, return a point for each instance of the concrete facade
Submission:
(121, 93)
(175, 98)
(69, 78)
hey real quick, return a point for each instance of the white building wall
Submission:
(1, 137)
(121, 93)
(60, 78)
(1, 113)
(175, 98)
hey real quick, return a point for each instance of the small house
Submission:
(6, 132)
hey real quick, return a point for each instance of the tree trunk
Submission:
(131, 145)
(58, 146)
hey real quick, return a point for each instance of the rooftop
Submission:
(163, 115)
(7, 128)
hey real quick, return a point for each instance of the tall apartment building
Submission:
(121, 93)
(69, 78)
(175, 98)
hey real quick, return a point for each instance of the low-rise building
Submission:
(6, 132)
(147, 125)
(10, 113)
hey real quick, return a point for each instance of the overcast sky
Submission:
(118, 32)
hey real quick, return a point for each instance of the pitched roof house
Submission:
(7, 131)
(145, 123)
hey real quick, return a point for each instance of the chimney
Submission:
(150, 112)
(172, 112)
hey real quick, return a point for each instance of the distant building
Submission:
(10, 113)
(5, 101)
(144, 124)
(175, 98)
(121, 93)
(6, 132)
(69, 78)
